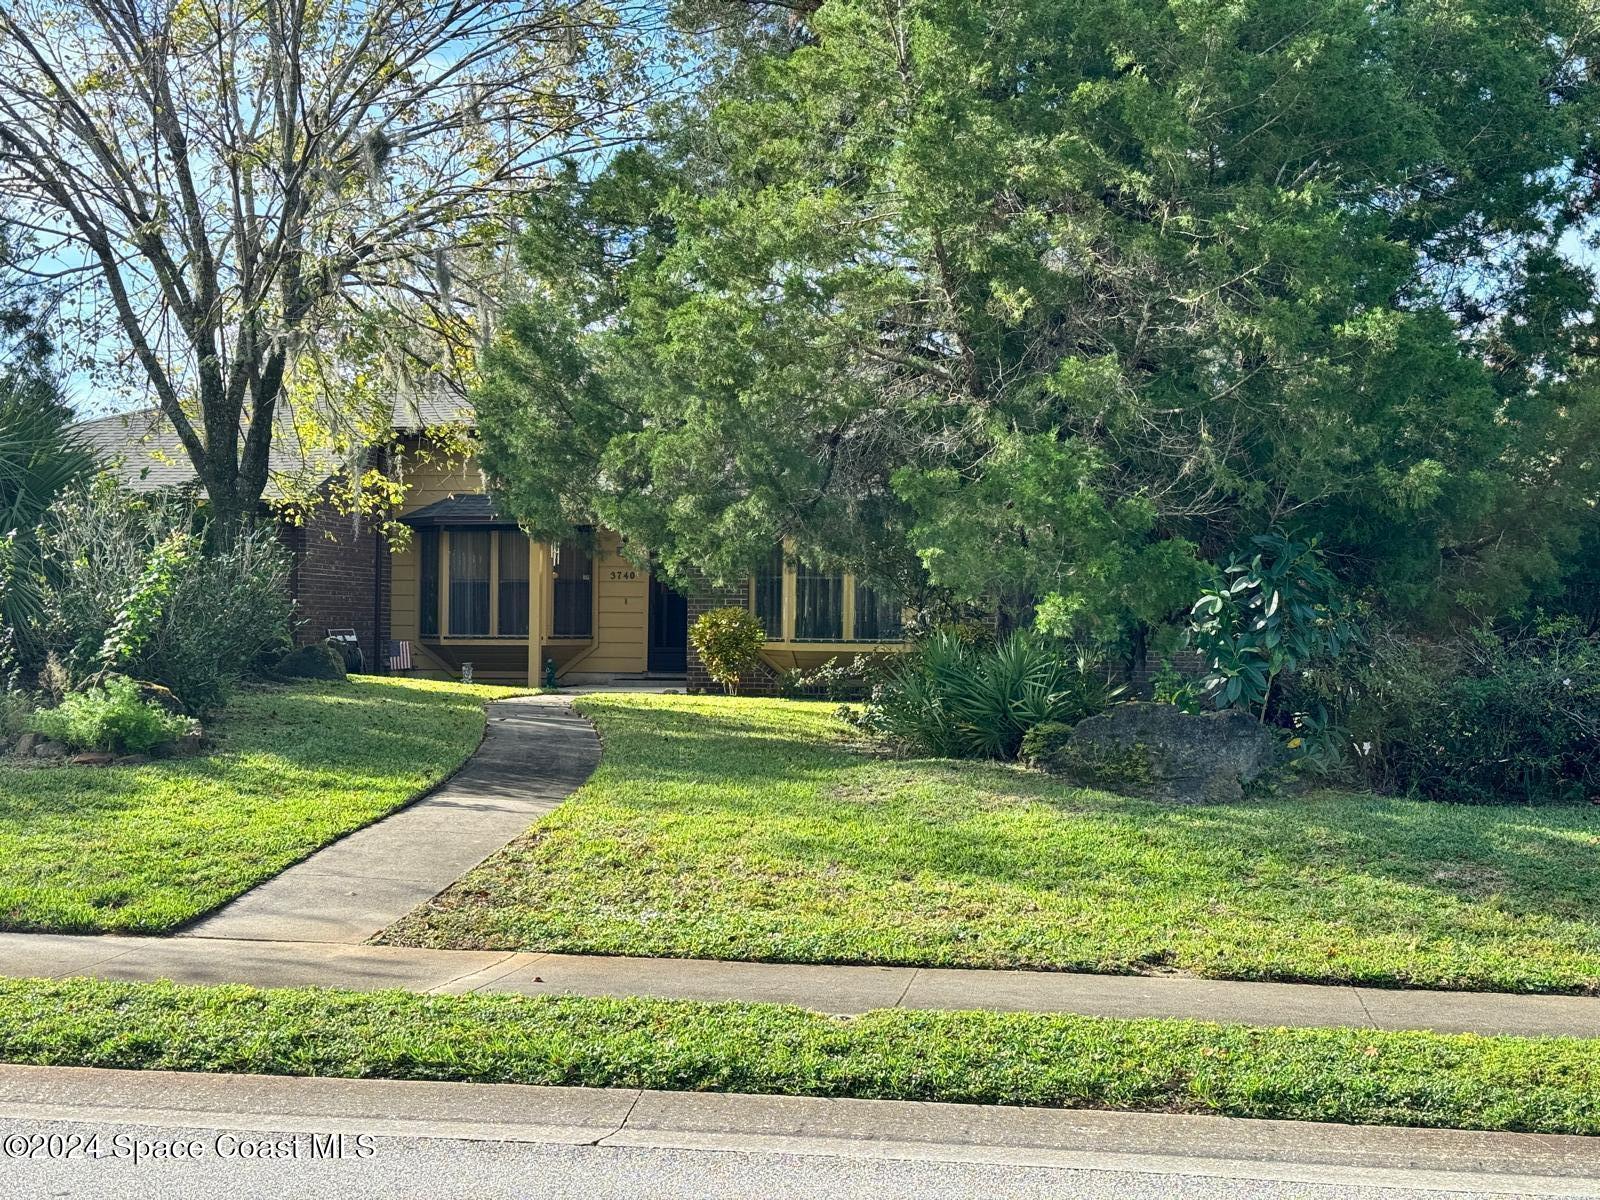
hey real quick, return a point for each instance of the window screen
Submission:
(769, 593)
(574, 591)
(428, 600)
(469, 584)
(513, 583)
(878, 617)
(818, 606)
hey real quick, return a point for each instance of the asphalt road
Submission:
(244, 1165)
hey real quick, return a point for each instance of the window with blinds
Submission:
(428, 598)
(469, 584)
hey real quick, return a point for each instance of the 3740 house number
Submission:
(624, 574)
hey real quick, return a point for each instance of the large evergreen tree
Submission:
(1062, 298)
(39, 457)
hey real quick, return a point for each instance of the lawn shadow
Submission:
(984, 822)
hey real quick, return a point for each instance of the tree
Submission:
(296, 201)
(39, 457)
(1067, 299)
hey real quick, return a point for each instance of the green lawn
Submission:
(751, 829)
(86, 849)
(1358, 1076)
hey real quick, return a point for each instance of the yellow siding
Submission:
(622, 595)
(622, 603)
(622, 590)
(404, 593)
(427, 482)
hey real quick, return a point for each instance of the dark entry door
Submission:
(669, 630)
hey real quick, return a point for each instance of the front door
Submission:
(669, 630)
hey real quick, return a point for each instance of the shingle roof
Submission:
(140, 448)
(143, 449)
(412, 414)
(463, 508)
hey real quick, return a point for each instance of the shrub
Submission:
(1270, 614)
(728, 641)
(16, 711)
(138, 593)
(110, 718)
(1043, 742)
(1492, 716)
(837, 681)
(960, 699)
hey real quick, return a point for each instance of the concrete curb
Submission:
(884, 1129)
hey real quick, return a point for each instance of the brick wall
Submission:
(1141, 675)
(340, 580)
(702, 597)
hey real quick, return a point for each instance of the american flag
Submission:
(399, 656)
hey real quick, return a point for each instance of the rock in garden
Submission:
(1160, 751)
(93, 759)
(26, 743)
(316, 661)
(49, 749)
(130, 760)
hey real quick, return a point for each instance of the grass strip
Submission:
(146, 848)
(1548, 1085)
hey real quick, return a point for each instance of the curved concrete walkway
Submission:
(536, 751)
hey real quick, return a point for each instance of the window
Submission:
(818, 606)
(469, 584)
(513, 583)
(769, 594)
(428, 601)
(574, 591)
(878, 618)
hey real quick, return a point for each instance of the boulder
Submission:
(1160, 751)
(189, 743)
(49, 749)
(93, 758)
(320, 660)
(26, 743)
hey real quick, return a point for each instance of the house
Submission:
(468, 587)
